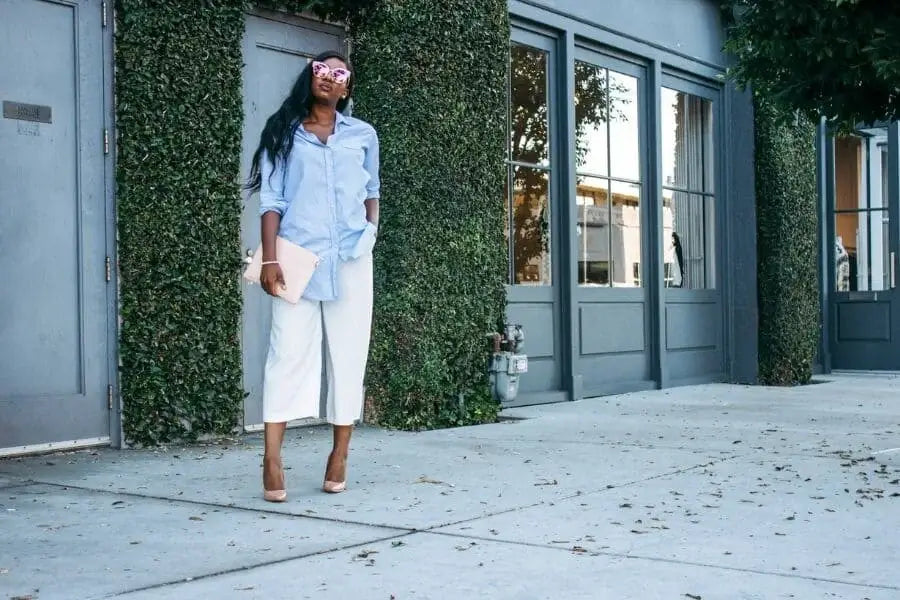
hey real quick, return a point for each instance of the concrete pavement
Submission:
(711, 492)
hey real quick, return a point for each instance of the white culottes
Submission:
(293, 377)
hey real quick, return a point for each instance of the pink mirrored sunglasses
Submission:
(323, 71)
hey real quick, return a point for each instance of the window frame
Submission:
(540, 41)
(615, 62)
(695, 86)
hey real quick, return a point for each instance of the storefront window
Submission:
(861, 223)
(688, 191)
(608, 192)
(529, 164)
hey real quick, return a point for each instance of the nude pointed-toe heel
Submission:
(334, 487)
(275, 495)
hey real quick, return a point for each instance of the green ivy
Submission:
(179, 119)
(787, 246)
(431, 79)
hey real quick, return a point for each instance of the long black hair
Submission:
(277, 137)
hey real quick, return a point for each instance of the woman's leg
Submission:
(336, 470)
(293, 374)
(273, 476)
(348, 324)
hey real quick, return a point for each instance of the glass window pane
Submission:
(858, 267)
(507, 224)
(847, 253)
(687, 141)
(626, 234)
(592, 205)
(689, 240)
(529, 115)
(879, 224)
(531, 226)
(624, 134)
(849, 185)
(862, 237)
(591, 142)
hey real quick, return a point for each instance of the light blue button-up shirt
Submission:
(320, 192)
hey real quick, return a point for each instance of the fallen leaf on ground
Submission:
(424, 479)
(366, 554)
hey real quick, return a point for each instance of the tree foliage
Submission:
(838, 58)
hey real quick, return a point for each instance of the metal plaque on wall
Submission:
(27, 112)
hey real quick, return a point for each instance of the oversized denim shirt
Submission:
(320, 192)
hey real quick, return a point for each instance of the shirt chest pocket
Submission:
(350, 155)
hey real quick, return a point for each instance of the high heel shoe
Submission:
(275, 495)
(334, 487)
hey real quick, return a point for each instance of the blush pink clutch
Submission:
(297, 265)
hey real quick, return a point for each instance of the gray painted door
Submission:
(537, 248)
(274, 54)
(864, 244)
(612, 327)
(693, 206)
(54, 368)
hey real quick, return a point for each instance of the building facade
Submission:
(630, 189)
(630, 195)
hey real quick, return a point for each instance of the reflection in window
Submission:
(529, 123)
(861, 223)
(608, 183)
(688, 199)
(531, 218)
(528, 198)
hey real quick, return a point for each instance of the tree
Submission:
(837, 58)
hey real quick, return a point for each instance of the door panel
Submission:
(534, 217)
(274, 54)
(693, 328)
(863, 206)
(614, 351)
(54, 367)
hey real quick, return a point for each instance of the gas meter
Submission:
(507, 363)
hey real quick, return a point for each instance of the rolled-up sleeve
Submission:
(373, 187)
(271, 191)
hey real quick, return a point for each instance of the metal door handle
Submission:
(893, 272)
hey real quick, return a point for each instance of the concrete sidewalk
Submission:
(710, 492)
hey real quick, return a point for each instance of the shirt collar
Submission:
(340, 119)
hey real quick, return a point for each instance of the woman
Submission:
(317, 174)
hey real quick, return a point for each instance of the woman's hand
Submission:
(272, 279)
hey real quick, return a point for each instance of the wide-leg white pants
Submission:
(293, 376)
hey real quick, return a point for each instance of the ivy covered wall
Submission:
(430, 79)
(787, 243)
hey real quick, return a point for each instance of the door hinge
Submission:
(108, 270)
(103, 12)
(105, 141)
(109, 397)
